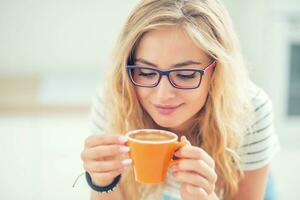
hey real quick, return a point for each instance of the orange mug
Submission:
(152, 153)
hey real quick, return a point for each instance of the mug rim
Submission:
(151, 141)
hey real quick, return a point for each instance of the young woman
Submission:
(177, 66)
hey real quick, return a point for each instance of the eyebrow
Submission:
(181, 64)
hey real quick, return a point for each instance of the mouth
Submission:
(166, 109)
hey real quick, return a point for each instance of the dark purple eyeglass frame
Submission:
(167, 72)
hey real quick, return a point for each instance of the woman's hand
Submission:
(196, 173)
(105, 157)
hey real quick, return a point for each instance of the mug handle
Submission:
(178, 145)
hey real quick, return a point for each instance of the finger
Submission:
(195, 153)
(99, 152)
(198, 166)
(194, 192)
(104, 176)
(106, 166)
(97, 139)
(117, 157)
(193, 179)
(184, 139)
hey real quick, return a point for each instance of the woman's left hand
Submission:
(196, 172)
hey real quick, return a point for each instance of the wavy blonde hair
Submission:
(226, 112)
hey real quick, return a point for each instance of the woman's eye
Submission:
(186, 75)
(147, 73)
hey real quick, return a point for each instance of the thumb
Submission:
(185, 140)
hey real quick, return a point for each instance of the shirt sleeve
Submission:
(97, 119)
(261, 143)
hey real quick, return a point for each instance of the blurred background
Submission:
(53, 57)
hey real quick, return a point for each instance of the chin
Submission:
(167, 123)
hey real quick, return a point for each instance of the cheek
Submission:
(142, 94)
(196, 101)
(198, 98)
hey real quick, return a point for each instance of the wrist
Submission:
(102, 183)
(103, 189)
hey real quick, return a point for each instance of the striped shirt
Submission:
(261, 144)
(256, 151)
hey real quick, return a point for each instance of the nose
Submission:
(164, 89)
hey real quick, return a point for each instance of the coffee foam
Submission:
(153, 136)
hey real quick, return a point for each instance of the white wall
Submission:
(66, 35)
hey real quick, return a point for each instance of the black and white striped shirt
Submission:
(261, 143)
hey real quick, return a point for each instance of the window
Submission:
(294, 80)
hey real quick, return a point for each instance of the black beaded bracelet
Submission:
(106, 189)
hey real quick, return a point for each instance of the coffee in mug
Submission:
(152, 136)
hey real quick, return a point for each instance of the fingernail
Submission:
(177, 154)
(124, 149)
(126, 162)
(123, 139)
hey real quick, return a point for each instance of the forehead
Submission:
(168, 45)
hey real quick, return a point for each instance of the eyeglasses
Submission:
(179, 78)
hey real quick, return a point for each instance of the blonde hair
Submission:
(225, 114)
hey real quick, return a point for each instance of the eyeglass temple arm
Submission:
(213, 64)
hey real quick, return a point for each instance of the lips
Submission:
(167, 109)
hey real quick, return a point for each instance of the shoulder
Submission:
(259, 98)
(260, 141)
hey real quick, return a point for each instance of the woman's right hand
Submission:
(105, 157)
